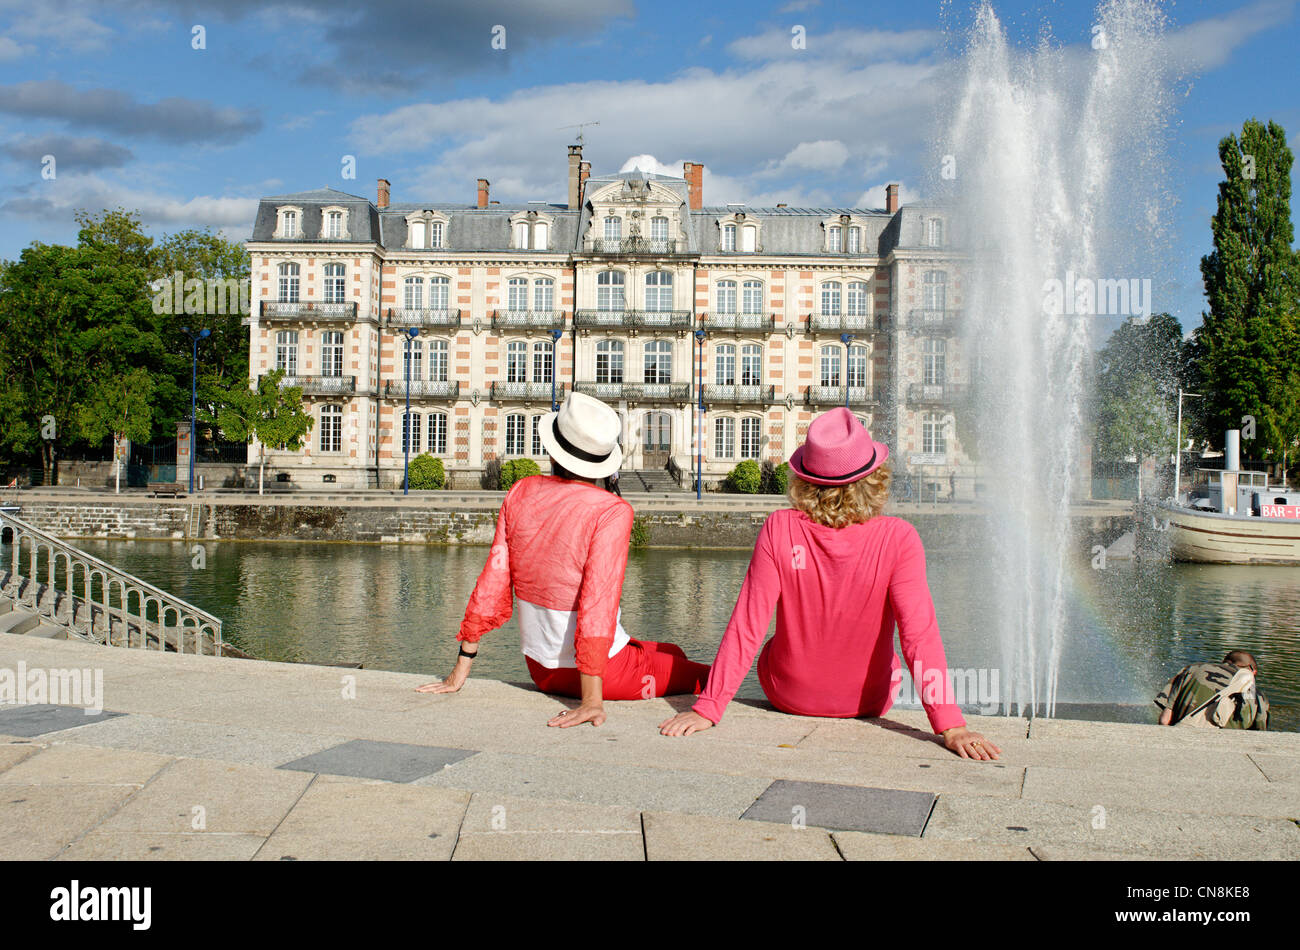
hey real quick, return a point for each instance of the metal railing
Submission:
(933, 321)
(631, 245)
(739, 322)
(942, 394)
(308, 310)
(403, 317)
(322, 385)
(634, 319)
(113, 607)
(740, 395)
(422, 388)
(526, 392)
(862, 323)
(835, 396)
(637, 392)
(528, 320)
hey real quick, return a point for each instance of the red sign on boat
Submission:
(1279, 511)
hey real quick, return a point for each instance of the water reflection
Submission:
(398, 607)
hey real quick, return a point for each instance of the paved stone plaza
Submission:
(199, 757)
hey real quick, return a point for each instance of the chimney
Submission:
(891, 198)
(384, 185)
(482, 192)
(693, 172)
(575, 176)
(584, 171)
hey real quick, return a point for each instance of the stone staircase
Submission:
(17, 619)
(648, 480)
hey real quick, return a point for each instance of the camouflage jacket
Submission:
(1194, 686)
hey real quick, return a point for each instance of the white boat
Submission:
(1235, 517)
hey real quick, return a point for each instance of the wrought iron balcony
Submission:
(835, 396)
(422, 389)
(857, 323)
(740, 322)
(305, 310)
(322, 385)
(528, 320)
(933, 321)
(633, 319)
(637, 392)
(740, 395)
(942, 394)
(404, 317)
(632, 245)
(526, 392)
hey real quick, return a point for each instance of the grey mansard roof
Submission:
(788, 231)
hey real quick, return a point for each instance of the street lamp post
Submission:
(555, 363)
(411, 334)
(194, 391)
(1178, 449)
(699, 441)
(846, 339)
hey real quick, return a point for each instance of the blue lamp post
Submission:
(411, 334)
(846, 339)
(194, 391)
(555, 363)
(699, 442)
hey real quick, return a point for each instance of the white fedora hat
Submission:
(583, 436)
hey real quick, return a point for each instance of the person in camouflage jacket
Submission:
(1215, 694)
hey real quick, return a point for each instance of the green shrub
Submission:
(776, 478)
(640, 533)
(745, 478)
(516, 469)
(427, 473)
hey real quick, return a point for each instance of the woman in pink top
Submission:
(840, 576)
(560, 549)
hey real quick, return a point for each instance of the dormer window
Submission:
(613, 229)
(833, 238)
(748, 237)
(290, 223)
(334, 223)
(934, 232)
(435, 234)
(529, 230)
(728, 237)
(425, 230)
(855, 240)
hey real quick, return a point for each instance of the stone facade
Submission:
(718, 333)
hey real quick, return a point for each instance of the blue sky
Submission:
(136, 117)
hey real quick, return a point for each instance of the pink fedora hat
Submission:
(839, 450)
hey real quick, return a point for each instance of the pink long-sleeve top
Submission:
(561, 548)
(838, 593)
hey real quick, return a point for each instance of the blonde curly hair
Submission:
(840, 505)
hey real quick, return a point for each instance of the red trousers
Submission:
(641, 670)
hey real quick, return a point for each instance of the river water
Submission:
(1129, 627)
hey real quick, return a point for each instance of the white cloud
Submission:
(822, 155)
(1209, 43)
(11, 50)
(855, 45)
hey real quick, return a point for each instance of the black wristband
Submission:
(470, 655)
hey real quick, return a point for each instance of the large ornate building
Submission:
(718, 333)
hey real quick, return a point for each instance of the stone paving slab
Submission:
(1149, 736)
(1126, 830)
(68, 764)
(844, 807)
(860, 846)
(643, 788)
(339, 821)
(161, 846)
(223, 796)
(390, 761)
(677, 837)
(37, 822)
(504, 827)
(12, 754)
(1277, 768)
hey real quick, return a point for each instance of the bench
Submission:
(170, 489)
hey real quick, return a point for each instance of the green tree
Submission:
(745, 478)
(516, 469)
(1141, 423)
(269, 413)
(1247, 346)
(427, 473)
(120, 407)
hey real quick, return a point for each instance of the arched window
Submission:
(751, 365)
(658, 362)
(411, 433)
(334, 283)
(286, 352)
(609, 361)
(413, 351)
(517, 293)
(515, 434)
(439, 293)
(935, 232)
(613, 233)
(724, 365)
(435, 234)
(288, 282)
(541, 236)
(727, 296)
(438, 361)
(517, 362)
(728, 237)
(537, 437)
(748, 238)
(833, 235)
(857, 366)
(831, 298)
(830, 365)
(933, 438)
(331, 428)
(438, 433)
(609, 291)
(659, 291)
(334, 224)
(935, 290)
(934, 357)
(857, 299)
(417, 237)
(543, 362)
(751, 436)
(289, 224)
(724, 437)
(659, 234)
(521, 234)
(855, 240)
(413, 297)
(331, 353)
(544, 295)
(751, 299)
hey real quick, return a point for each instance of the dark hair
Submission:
(1241, 658)
(559, 471)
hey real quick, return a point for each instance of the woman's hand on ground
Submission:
(969, 745)
(576, 717)
(683, 724)
(454, 681)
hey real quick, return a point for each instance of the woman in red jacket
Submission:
(560, 549)
(840, 576)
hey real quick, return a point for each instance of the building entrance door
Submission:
(656, 439)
